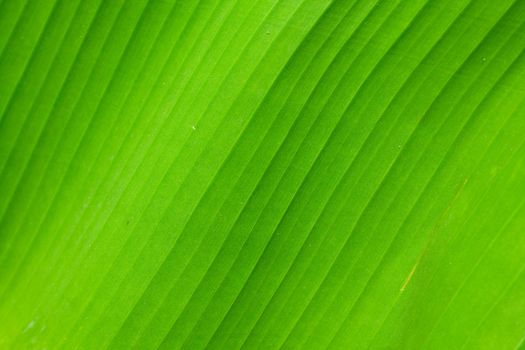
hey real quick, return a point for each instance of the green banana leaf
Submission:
(262, 174)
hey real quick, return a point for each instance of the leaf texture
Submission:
(262, 174)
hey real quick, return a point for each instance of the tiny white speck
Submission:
(29, 326)
(193, 127)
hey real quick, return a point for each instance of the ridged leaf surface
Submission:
(262, 174)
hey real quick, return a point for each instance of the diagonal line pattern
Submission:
(261, 174)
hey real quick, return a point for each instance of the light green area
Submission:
(262, 174)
